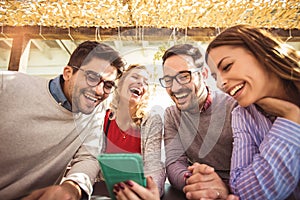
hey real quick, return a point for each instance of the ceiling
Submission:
(154, 13)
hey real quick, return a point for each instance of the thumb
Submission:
(150, 183)
(232, 197)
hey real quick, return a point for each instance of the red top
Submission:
(118, 141)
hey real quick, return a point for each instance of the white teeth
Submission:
(135, 91)
(180, 95)
(235, 89)
(91, 97)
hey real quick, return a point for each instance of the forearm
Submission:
(175, 172)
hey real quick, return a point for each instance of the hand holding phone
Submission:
(121, 167)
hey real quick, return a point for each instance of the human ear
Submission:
(67, 73)
(204, 72)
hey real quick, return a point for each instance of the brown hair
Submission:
(184, 49)
(275, 55)
(87, 50)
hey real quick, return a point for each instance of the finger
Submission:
(201, 168)
(151, 185)
(204, 194)
(143, 192)
(232, 197)
(191, 168)
(195, 178)
(125, 193)
(35, 194)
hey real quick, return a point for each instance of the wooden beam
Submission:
(126, 33)
(19, 54)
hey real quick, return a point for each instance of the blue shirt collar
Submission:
(55, 87)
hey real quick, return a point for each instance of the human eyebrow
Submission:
(219, 64)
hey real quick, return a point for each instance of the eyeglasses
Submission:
(183, 77)
(93, 79)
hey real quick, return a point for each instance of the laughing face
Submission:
(134, 85)
(85, 98)
(241, 75)
(186, 96)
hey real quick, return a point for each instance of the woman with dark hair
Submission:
(130, 127)
(263, 75)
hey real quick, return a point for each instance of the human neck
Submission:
(123, 116)
(202, 98)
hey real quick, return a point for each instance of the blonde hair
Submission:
(141, 107)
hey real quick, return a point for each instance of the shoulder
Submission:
(251, 119)
(25, 84)
(220, 97)
(18, 77)
(222, 102)
(246, 112)
(152, 117)
(172, 111)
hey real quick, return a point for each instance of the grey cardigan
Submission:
(151, 142)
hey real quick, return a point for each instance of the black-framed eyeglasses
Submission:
(182, 77)
(93, 79)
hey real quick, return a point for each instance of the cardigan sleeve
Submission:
(152, 150)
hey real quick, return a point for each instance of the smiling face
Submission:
(83, 97)
(186, 97)
(241, 75)
(134, 86)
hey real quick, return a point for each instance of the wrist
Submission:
(75, 187)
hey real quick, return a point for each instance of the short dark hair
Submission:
(184, 49)
(89, 49)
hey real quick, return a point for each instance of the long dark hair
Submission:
(276, 56)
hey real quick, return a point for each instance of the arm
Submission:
(84, 166)
(176, 160)
(151, 148)
(264, 166)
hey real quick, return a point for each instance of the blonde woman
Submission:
(130, 127)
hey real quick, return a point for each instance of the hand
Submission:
(68, 190)
(204, 183)
(131, 190)
(232, 197)
(280, 108)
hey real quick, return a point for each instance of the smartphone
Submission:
(119, 167)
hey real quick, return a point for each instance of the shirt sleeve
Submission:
(264, 166)
(84, 166)
(152, 151)
(176, 159)
(82, 180)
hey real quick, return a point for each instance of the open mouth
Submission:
(135, 91)
(92, 98)
(181, 95)
(236, 89)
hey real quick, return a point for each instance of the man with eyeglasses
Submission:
(48, 125)
(197, 129)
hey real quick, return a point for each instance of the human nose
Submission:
(221, 83)
(99, 88)
(175, 85)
